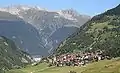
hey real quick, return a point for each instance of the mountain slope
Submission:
(101, 32)
(48, 22)
(22, 33)
(11, 56)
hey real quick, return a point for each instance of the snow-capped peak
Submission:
(68, 14)
(25, 7)
(15, 9)
(10, 10)
(39, 8)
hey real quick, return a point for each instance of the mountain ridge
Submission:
(47, 23)
(100, 33)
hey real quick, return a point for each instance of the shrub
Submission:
(72, 72)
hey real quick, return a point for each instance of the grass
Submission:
(106, 66)
(100, 26)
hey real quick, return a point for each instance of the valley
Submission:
(39, 40)
(41, 26)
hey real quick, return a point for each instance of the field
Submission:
(106, 66)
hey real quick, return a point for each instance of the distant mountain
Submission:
(48, 24)
(11, 56)
(102, 32)
(22, 33)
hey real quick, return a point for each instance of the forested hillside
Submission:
(102, 32)
(11, 56)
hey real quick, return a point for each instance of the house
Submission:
(77, 59)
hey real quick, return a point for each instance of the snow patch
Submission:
(6, 43)
(6, 50)
(37, 59)
(24, 60)
(67, 16)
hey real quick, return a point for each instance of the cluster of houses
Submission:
(77, 59)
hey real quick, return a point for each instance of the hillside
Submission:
(102, 32)
(106, 66)
(11, 56)
(18, 30)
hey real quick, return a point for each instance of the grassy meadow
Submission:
(106, 66)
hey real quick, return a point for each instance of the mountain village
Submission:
(76, 59)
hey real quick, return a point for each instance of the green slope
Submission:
(106, 66)
(101, 32)
(11, 56)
